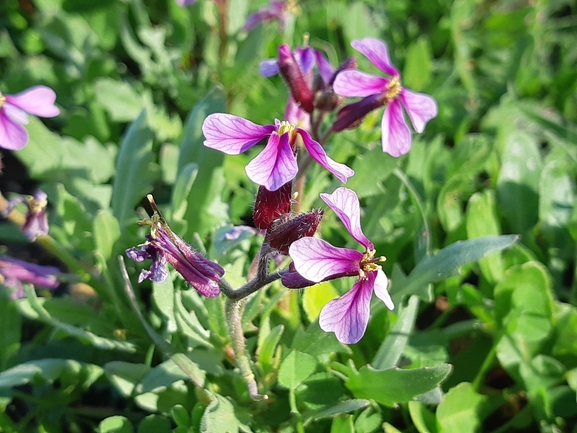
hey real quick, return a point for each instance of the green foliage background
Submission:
(478, 222)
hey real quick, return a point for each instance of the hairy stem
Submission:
(234, 309)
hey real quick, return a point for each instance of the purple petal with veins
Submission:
(357, 83)
(396, 137)
(376, 51)
(345, 203)
(316, 259)
(232, 134)
(420, 107)
(348, 315)
(341, 171)
(275, 165)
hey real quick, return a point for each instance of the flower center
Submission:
(369, 263)
(290, 129)
(36, 206)
(393, 88)
(2, 99)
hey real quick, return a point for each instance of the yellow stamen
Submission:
(369, 263)
(286, 127)
(394, 88)
(2, 100)
(36, 206)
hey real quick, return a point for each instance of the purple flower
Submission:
(276, 164)
(396, 135)
(38, 100)
(36, 222)
(14, 272)
(185, 2)
(165, 246)
(276, 10)
(316, 260)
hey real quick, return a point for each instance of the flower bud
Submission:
(351, 116)
(270, 205)
(294, 78)
(350, 63)
(283, 232)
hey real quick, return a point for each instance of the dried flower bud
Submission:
(350, 63)
(269, 205)
(294, 78)
(328, 100)
(350, 116)
(283, 232)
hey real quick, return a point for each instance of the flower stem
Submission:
(234, 309)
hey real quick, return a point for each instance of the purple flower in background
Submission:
(276, 10)
(396, 135)
(316, 260)
(36, 222)
(164, 246)
(14, 272)
(38, 100)
(185, 2)
(276, 164)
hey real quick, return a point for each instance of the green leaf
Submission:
(106, 233)
(155, 424)
(423, 419)
(295, 368)
(266, 350)
(417, 71)
(395, 385)
(133, 175)
(447, 263)
(181, 190)
(219, 416)
(163, 297)
(518, 181)
(344, 406)
(125, 375)
(394, 344)
(316, 297)
(10, 324)
(122, 102)
(206, 208)
(482, 220)
(459, 410)
(115, 424)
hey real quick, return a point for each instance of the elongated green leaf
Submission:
(106, 233)
(392, 347)
(447, 262)
(10, 323)
(133, 174)
(392, 386)
(343, 407)
(219, 417)
(205, 206)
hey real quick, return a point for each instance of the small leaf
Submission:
(395, 385)
(316, 297)
(115, 424)
(295, 368)
(219, 416)
(459, 410)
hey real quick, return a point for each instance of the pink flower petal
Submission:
(38, 100)
(376, 52)
(316, 259)
(341, 171)
(275, 165)
(13, 136)
(420, 107)
(16, 114)
(357, 83)
(380, 288)
(232, 134)
(345, 203)
(396, 133)
(348, 316)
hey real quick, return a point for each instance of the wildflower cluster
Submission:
(318, 106)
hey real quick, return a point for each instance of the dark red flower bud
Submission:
(293, 76)
(350, 116)
(350, 63)
(328, 100)
(283, 232)
(269, 205)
